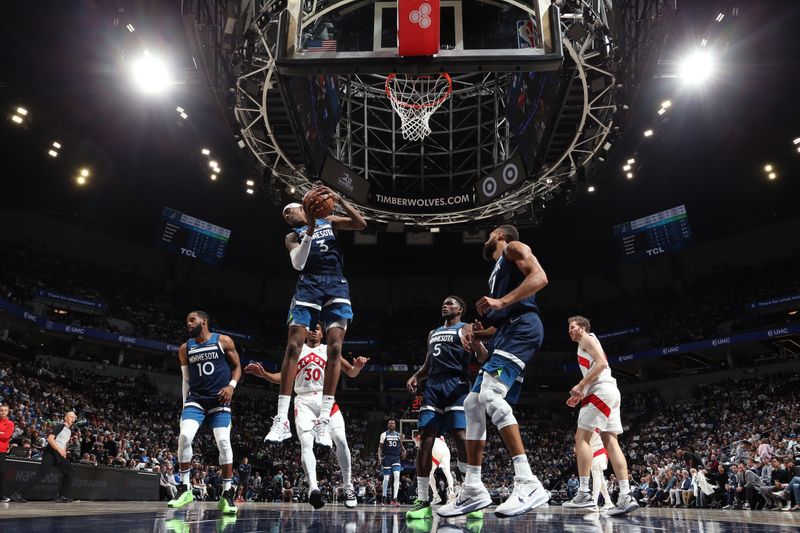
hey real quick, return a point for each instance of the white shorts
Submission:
(600, 409)
(306, 412)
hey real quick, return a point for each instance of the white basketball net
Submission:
(415, 98)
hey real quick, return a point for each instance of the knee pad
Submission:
(476, 417)
(223, 438)
(188, 431)
(492, 396)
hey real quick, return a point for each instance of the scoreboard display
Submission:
(191, 237)
(654, 235)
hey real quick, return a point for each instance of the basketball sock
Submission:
(327, 405)
(422, 488)
(473, 476)
(584, 484)
(283, 405)
(624, 486)
(226, 484)
(522, 469)
(462, 467)
(185, 477)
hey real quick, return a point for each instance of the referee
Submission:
(53, 457)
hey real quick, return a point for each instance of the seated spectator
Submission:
(287, 494)
(773, 493)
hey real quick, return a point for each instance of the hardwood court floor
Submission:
(123, 517)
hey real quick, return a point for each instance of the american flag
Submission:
(317, 45)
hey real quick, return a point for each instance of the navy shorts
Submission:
(512, 349)
(443, 404)
(391, 464)
(320, 298)
(207, 409)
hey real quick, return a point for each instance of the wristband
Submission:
(232, 383)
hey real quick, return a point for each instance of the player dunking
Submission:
(308, 386)
(446, 370)
(599, 398)
(211, 370)
(390, 452)
(322, 294)
(513, 317)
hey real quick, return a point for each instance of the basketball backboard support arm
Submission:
(291, 60)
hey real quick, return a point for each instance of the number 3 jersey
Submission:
(209, 371)
(324, 257)
(311, 369)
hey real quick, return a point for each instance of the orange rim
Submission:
(419, 106)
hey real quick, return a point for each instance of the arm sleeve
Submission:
(383, 437)
(299, 255)
(185, 382)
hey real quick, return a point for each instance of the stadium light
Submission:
(629, 175)
(205, 151)
(666, 104)
(22, 111)
(626, 168)
(768, 168)
(213, 164)
(591, 188)
(720, 17)
(80, 180)
(213, 177)
(250, 191)
(648, 133)
(549, 181)
(772, 175)
(250, 183)
(796, 141)
(150, 74)
(697, 67)
(52, 153)
(85, 172)
(704, 42)
(631, 161)
(291, 189)
(216, 170)
(662, 111)
(16, 118)
(130, 28)
(56, 144)
(184, 116)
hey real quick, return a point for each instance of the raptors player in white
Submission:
(441, 459)
(599, 398)
(307, 404)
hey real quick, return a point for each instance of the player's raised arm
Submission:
(354, 369)
(257, 369)
(353, 220)
(226, 393)
(535, 278)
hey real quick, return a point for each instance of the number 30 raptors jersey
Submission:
(311, 369)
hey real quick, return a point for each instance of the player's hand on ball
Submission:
(486, 304)
(225, 394)
(326, 192)
(411, 384)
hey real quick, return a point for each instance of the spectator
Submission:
(287, 494)
(6, 431)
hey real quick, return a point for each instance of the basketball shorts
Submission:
(600, 409)
(443, 404)
(391, 464)
(208, 410)
(600, 460)
(306, 412)
(320, 298)
(511, 350)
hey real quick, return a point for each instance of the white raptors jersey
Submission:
(311, 369)
(441, 453)
(586, 362)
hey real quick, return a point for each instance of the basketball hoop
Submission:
(415, 98)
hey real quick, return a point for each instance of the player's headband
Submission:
(291, 206)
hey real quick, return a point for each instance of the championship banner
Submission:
(444, 203)
(418, 27)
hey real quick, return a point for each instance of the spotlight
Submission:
(626, 168)
(250, 191)
(85, 172)
(772, 175)
(549, 181)
(56, 144)
(52, 153)
(767, 168)
(665, 104)
(631, 161)
(720, 17)
(17, 119)
(213, 164)
(648, 133)
(150, 74)
(590, 189)
(179, 109)
(704, 42)
(697, 67)
(205, 151)
(250, 183)
(216, 170)
(213, 177)
(80, 180)
(629, 175)
(435, 230)
(130, 28)
(22, 111)
(662, 111)
(184, 116)
(796, 141)
(290, 189)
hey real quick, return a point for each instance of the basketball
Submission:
(320, 208)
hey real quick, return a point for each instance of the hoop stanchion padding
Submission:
(415, 98)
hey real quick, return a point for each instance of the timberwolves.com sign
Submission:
(423, 204)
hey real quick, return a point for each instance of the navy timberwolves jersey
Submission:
(209, 371)
(391, 444)
(505, 278)
(446, 355)
(324, 256)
